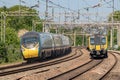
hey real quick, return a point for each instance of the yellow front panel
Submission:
(30, 53)
(104, 46)
(92, 47)
(98, 47)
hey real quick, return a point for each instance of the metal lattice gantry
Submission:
(68, 18)
(4, 15)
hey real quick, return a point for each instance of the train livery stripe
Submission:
(30, 53)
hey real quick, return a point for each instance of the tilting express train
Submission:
(97, 44)
(36, 45)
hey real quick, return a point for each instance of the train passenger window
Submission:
(47, 41)
(58, 40)
(103, 41)
(92, 41)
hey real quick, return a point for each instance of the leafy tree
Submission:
(39, 27)
(52, 31)
(21, 22)
(116, 16)
(3, 53)
(10, 50)
(3, 9)
(79, 40)
(11, 36)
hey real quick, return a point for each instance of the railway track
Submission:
(87, 71)
(26, 64)
(39, 65)
(75, 73)
(22, 64)
(60, 68)
(113, 73)
(116, 60)
(100, 71)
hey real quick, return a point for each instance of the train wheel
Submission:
(55, 53)
(91, 56)
(106, 55)
(58, 52)
(52, 54)
(29, 61)
(43, 55)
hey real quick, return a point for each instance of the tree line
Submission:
(10, 50)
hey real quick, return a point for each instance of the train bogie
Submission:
(100, 54)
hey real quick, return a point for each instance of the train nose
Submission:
(30, 53)
(30, 50)
(97, 47)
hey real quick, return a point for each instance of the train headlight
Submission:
(22, 49)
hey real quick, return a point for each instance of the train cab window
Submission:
(97, 40)
(92, 41)
(30, 42)
(103, 41)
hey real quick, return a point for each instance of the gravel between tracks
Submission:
(54, 70)
(60, 68)
(97, 72)
(115, 73)
(40, 70)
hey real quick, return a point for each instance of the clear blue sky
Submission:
(105, 7)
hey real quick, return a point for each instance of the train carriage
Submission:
(36, 45)
(30, 45)
(47, 45)
(98, 46)
(66, 44)
(58, 44)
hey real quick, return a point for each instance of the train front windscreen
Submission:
(98, 41)
(103, 40)
(30, 42)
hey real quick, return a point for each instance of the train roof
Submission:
(33, 33)
(92, 36)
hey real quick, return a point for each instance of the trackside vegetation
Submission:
(10, 48)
